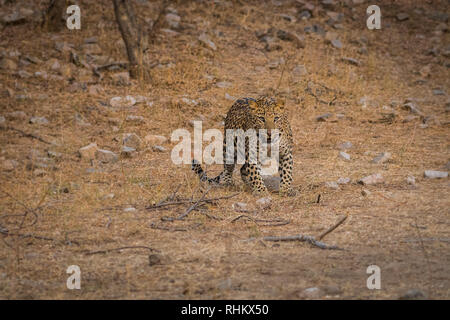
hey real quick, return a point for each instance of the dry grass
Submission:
(383, 228)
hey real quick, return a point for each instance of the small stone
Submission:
(412, 107)
(88, 152)
(106, 156)
(157, 148)
(332, 290)
(203, 38)
(432, 174)
(345, 145)
(344, 155)
(152, 139)
(154, 259)
(108, 196)
(93, 39)
(121, 78)
(352, 61)
(122, 102)
(264, 203)
(272, 183)
(312, 293)
(323, 117)
(79, 120)
(372, 179)
(39, 120)
(411, 180)
(413, 294)
(332, 185)
(438, 92)
(240, 207)
(336, 43)
(228, 97)
(39, 172)
(130, 209)
(343, 180)
(173, 20)
(223, 84)
(135, 119)
(132, 140)
(54, 154)
(382, 157)
(402, 16)
(366, 192)
(24, 74)
(127, 152)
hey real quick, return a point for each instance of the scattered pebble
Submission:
(240, 206)
(382, 157)
(157, 148)
(411, 180)
(130, 209)
(263, 203)
(106, 156)
(88, 152)
(366, 192)
(344, 155)
(345, 145)
(135, 119)
(372, 179)
(132, 140)
(39, 120)
(343, 180)
(312, 293)
(223, 84)
(432, 174)
(413, 294)
(153, 139)
(402, 16)
(127, 152)
(203, 38)
(323, 117)
(332, 185)
(122, 102)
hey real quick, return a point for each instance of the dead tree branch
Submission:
(121, 248)
(340, 221)
(302, 238)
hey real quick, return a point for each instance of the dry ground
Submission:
(402, 228)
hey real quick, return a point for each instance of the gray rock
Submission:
(332, 185)
(345, 145)
(240, 206)
(343, 180)
(264, 203)
(229, 97)
(158, 148)
(336, 43)
(127, 152)
(106, 156)
(382, 157)
(323, 117)
(135, 119)
(54, 154)
(203, 38)
(272, 183)
(132, 140)
(372, 179)
(412, 107)
(122, 102)
(402, 16)
(411, 180)
(312, 293)
(432, 174)
(352, 61)
(173, 20)
(39, 120)
(365, 192)
(344, 155)
(413, 294)
(223, 84)
(438, 92)
(130, 209)
(88, 152)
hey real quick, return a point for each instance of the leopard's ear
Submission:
(253, 105)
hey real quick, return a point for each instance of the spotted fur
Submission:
(262, 113)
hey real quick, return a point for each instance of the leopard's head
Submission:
(268, 114)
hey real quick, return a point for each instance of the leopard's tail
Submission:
(197, 168)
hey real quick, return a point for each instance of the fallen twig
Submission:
(121, 248)
(302, 238)
(193, 206)
(173, 203)
(333, 227)
(271, 223)
(25, 134)
(159, 227)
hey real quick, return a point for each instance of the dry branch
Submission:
(173, 203)
(270, 223)
(121, 248)
(302, 238)
(25, 134)
(340, 221)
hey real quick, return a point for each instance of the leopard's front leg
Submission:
(285, 171)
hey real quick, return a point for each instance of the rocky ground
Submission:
(85, 162)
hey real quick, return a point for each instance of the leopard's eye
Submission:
(276, 118)
(262, 119)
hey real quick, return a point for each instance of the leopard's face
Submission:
(268, 113)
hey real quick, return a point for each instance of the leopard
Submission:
(266, 113)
